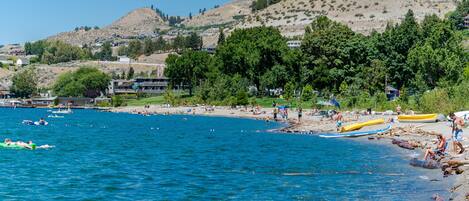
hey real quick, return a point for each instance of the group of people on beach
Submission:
(282, 111)
(457, 125)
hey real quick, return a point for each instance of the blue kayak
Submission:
(356, 133)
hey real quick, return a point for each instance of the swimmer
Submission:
(8, 141)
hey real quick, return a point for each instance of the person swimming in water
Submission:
(8, 141)
(42, 121)
(29, 145)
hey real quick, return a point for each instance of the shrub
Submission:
(117, 101)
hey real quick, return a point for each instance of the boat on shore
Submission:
(419, 118)
(356, 133)
(357, 126)
(463, 114)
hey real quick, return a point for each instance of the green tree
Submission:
(457, 17)
(307, 93)
(179, 43)
(24, 83)
(85, 82)
(123, 51)
(394, 46)
(325, 52)
(275, 78)
(134, 49)
(189, 70)
(148, 47)
(438, 58)
(221, 36)
(252, 52)
(131, 73)
(242, 97)
(289, 91)
(194, 41)
(160, 44)
(106, 52)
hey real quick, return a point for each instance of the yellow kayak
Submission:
(421, 118)
(357, 126)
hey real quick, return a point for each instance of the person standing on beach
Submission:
(339, 119)
(275, 113)
(398, 109)
(300, 114)
(457, 126)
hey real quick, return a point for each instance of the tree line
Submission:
(149, 46)
(413, 57)
(85, 82)
(52, 52)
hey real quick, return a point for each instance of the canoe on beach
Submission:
(420, 118)
(358, 126)
(355, 134)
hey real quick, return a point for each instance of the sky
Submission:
(28, 20)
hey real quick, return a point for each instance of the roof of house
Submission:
(44, 99)
(390, 88)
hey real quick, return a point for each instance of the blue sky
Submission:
(27, 20)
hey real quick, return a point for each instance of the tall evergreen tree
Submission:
(221, 37)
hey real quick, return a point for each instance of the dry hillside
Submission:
(140, 22)
(221, 15)
(361, 15)
(47, 74)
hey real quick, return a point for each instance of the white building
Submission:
(293, 44)
(22, 62)
(124, 60)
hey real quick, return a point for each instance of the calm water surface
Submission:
(104, 156)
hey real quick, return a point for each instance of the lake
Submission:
(107, 156)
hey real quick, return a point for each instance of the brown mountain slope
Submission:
(140, 22)
(221, 15)
(361, 15)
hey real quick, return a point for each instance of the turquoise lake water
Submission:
(105, 156)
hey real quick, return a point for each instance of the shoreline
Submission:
(418, 136)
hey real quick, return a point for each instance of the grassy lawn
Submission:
(265, 102)
(156, 100)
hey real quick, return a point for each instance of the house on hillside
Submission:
(43, 101)
(124, 60)
(211, 49)
(392, 93)
(22, 62)
(153, 86)
(75, 101)
(4, 92)
(120, 86)
(294, 44)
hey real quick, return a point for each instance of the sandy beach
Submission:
(417, 136)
